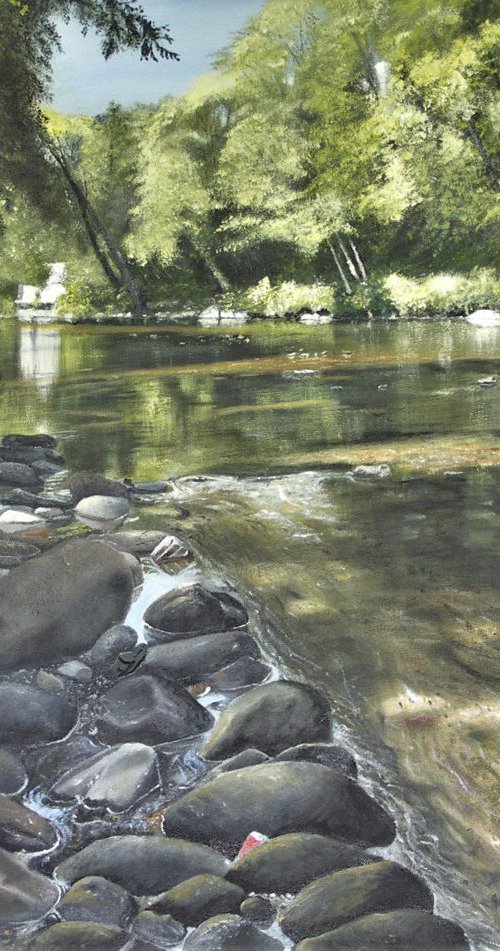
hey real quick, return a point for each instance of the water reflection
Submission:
(39, 356)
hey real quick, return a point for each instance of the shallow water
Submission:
(383, 592)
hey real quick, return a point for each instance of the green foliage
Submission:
(443, 294)
(286, 299)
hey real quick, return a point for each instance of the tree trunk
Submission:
(352, 267)
(489, 168)
(359, 262)
(336, 258)
(209, 262)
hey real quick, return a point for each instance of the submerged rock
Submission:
(24, 895)
(190, 659)
(29, 715)
(272, 718)
(15, 440)
(406, 930)
(95, 899)
(142, 864)
(137, 542)
(194, 610)
(116, 778)
(244, 672)
(276, 798)
(21, 829)
(84, 936)
(334, 900)
(56, 606)
(199, 898)
(148, 710)
(289, 862)
(231, 933)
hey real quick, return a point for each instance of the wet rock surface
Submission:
(199, 898)
(407, 930)
(86, 936)
(194, 610)
(95, 899)
(22, 829)
(231, 933)
(189, 659)
(157, 930)
(29, 715)
(25, 895)
(336, 757)
(144, 708)
(84, 484)
(116, 778)
(13, 776)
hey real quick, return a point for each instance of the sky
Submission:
(85, 83)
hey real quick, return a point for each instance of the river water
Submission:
(384, 592)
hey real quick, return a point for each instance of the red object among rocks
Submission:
(252, 841)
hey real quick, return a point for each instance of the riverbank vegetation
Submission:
(340, 156)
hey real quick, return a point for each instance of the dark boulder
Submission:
(45, 469)
(95, 899)
(336, 757)
(142, 864)
(188, 660)
(56, 606)
(145, 709)
(116, 778)
(17, 473)
(249, 757)
(289, 862)
(230, 933)
(83, 484)
(272, 718)
(79, 936)
(194, 610)
(18, 440)
(13, 776)
(156, 931)
(258, 909)
(334, 900)
(405, 930)
(116, 639)
(24, 895)
(275, 798)
(199, 898)
(21, 829)
(29, 715)
(244, 672)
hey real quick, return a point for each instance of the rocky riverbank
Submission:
(162, 786)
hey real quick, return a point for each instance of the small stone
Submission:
(76, 670)
(46, 680)
(118, 638)
(232, 933)
(199, 898)
(258, 909)
(158, 931)
(244, 672)
(23, 829)
(95, 899)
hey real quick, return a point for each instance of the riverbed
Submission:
(382, 588)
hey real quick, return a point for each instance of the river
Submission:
(382, 591)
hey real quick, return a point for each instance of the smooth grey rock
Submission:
(199, 898)
(336, 757)
(137, 542)
(23, 829)
(194, 610)
(289, 862)
(50, 514)
(29, 715)
(406, 930)
(14, 440)
(22, 497)
(275, 798)
(79, 936)
(157, 931)
(135, 568)
(46, 680)
(190, 659)
(382, 471)
(258, 909)
(13, 776)
(244, 672)
(116, 639)
(55, 606)
(248, 757)
(334, 900)
(13, 552)
(17, 473)
(271, 718)
(101, 508)
(148, 710)
(76, 670)
(116, 778)
(95, 899)
(24, 895)
(83, 484)
(16, 520)
(45, 469)
(231, 933)
(142, 864)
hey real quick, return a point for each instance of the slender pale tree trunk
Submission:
(359, 261)
(351, 266)
(343, 276)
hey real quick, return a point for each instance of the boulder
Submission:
(24, 895)
(56, 606)
(243, 672)
(231, 933)
(335, 899)
(135, 542)
(289, 862)
(190, 659)
(84, 484)
(142, 864)
(157, 931)
(116, 778)
(193, 610)
(336, 757)
(21, 829)
(103, 510)
(16, 520)
(17, 473)
(116, 639)
(258, 909)
(276, 798)
(29, 715)
(18, 440)
(45, 469)
(248, 757)
(484, 318)
(13, 552)
(272, 718)
(95, 899)
(148, 710)
(199, 898)
(406, 930)
(13, 776)
(81, 935)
